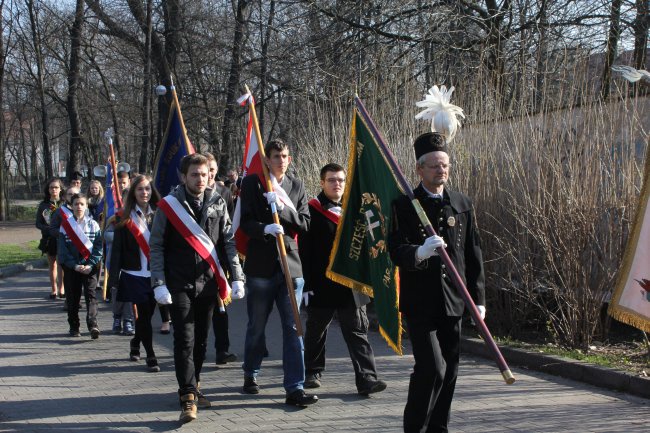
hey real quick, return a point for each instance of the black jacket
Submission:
(262, 255)
(426, 288)
(125, 253)
(175, 263)
(315, 248)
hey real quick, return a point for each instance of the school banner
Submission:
(359, 257)
(631, 301)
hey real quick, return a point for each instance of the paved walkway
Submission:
(51, 382)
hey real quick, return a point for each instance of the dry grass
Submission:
(555, 192)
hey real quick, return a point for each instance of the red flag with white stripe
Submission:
(251, 164)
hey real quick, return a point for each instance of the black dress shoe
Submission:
(371, 386)
(251, 386)
(225, 358)
(300, 399)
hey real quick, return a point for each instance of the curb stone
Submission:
(568, 368)
(17, 268)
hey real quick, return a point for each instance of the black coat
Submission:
(175, 263)
(262, 255)
(125, 252)
(426, 288)
(315, 248)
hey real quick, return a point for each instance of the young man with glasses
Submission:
(323, 297)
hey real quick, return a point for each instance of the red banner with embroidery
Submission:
(197, 238)
(70, 227)
(335, 218)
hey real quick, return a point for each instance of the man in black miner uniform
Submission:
(430, 304)
(329, 297)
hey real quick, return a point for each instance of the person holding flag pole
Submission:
(273, 213)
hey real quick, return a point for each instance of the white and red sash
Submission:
(281, 194)
(140, 232)
(196, 237)
(75, 232)
(334, 217)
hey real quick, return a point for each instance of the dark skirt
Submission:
(134, 289)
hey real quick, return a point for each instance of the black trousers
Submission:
(191, 317)
(75, 283)
(220, 327)
(436, 349)
(143, 329)
(354, 327)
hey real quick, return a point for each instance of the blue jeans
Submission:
(262, 292)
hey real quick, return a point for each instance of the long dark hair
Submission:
(130, 201)
(46, 189)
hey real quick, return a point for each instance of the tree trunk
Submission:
(75, 144)
(146, 96)
(265, 65)
(612, 45)
(227, 153)
(40, 89)
(641, 28)
(4, 204)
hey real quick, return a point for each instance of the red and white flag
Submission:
(251, 164)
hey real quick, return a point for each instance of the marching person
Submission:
(129, 268)
(328, 297)
(79, 250)
(190, 225)
(430, 305)
(265, 280)
(95, 196)
(52, 200)
(76, 179)
(220, 315)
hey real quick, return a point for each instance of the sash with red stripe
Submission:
(196, 237)
(70, 227)
(315, 203)
(140, 232)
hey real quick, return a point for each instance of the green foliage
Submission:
(17, 253)
(22, 213)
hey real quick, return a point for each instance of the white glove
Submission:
(481, 309)
(428, 249)
(162, 295)
(271, 198)
(238, 291)
(305, 297)
(274, 229)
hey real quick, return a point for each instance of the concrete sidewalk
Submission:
(51, 382)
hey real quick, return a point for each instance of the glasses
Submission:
(335, 180)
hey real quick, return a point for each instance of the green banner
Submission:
(359, 257)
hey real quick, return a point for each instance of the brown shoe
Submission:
(188, 408)
(201, 400)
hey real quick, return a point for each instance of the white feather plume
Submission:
(443, 114)
(630, 74)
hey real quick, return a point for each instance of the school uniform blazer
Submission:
(262, 258)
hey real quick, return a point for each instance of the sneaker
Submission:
(201, 400)
(94, 333)
(371, 387)
(188, 408)
(128, 328)
(225, 357)
(250, 385)
(117, 325)
(152, 365)
(312, 380)
(74, 333)
(301, 399)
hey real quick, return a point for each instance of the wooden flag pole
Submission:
(458, 281)
(276, 219)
